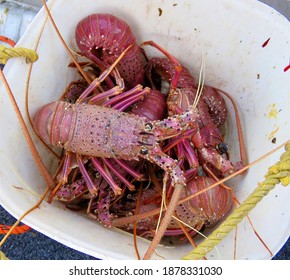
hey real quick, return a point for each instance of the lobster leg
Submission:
(117, 190)
(128, 184)
(89, 182)
(178, 66)
(109, 93)
(124, 104)
(96, 82)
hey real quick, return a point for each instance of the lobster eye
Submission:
(222, 147)
(143, 151)
(148, 126)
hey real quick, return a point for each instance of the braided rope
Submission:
(7, 53)
(278, 173)
(17, 230)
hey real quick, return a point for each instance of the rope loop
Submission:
(7, 53)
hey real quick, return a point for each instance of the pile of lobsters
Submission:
(141, 137)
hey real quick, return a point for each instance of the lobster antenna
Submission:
(64, 43)
(197, 231)
(135, 223)
(243, 153)
(38, 160)
(23, 215)
(163, 200)
(47, 177)
(201, 79)
(27, 91)
(163, 203)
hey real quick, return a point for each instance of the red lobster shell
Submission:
(103, 37)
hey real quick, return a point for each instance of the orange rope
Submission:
(18, 230)
(8, 41)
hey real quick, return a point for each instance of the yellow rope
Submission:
(6, 53)
(2, 256)
(278, 173)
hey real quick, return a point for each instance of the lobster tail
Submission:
(103, 37)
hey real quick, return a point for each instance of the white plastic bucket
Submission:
(231, 35)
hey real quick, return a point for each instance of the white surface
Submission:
(15, 18)
(231, 36)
